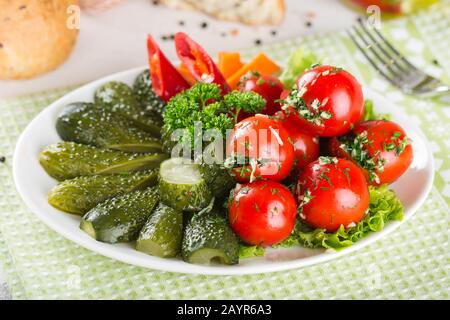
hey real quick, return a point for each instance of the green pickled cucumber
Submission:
(68, 160)
(182, 186)
(121, 218)
(119, 98)
(208, 238)
(162, 234)
(149, 100)
(81, 194)
(218, 179)
(82, 122)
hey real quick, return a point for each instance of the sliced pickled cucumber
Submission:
(149, 100)
(218, 179)
(81, 194)
(84, 123)
(67, 160)
(182, 186)
(119, 98)
(121, 218)
(208, 238)
(162, 234)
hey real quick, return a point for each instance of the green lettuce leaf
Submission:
(384, 206)
(369, 112)
(250, 251)
(297, 63)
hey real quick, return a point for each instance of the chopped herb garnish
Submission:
(396, 135)
(274, 191)
(244, 190)
(347, 176)
(304, 199)
(260, 81)
(323, 175)
(327, 160)
(313, 113)
(355, 146)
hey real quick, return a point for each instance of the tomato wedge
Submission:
(198, 62)
(166, 80)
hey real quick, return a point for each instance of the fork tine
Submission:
(398, 54)
(382, 63)
(369, 58)
(394, 60)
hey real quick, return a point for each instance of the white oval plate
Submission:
(34, 184)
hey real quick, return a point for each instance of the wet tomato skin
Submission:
(336, 194)
(380, 133)
(267, 86)
(306, 146)
(338, 93)
(259, 138)
(262, 212)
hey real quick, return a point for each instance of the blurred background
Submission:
(42, 51)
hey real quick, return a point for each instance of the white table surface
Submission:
(115, 39)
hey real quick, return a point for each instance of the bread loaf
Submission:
(34, 36)
(246, 11)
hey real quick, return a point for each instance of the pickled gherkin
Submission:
(119, 98)
(149, 100)
(68, 160)
(218, 179)
(208, 238)
(162, 234)
(182, 186)
(121, 218)
(84, 123)
(81, 194)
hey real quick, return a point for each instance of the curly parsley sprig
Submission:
(204, 103)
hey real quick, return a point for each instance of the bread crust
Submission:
(34, 37)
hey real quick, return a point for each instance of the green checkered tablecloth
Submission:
(412, 262)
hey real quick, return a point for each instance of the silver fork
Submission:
(391, 64)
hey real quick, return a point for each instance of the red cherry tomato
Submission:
(332, 192)
(327, 102)
(268, 87)
(262, 212)
(259, 148)
(381, 148)
(306, 147)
